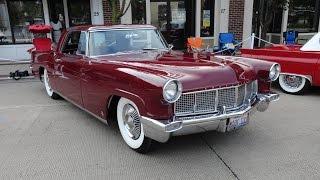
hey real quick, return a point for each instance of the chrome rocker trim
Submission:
(161, 131)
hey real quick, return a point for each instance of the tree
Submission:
(117, 12)
(267, 8)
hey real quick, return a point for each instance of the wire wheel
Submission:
(130, 126)
(293, 84)
(131, 120)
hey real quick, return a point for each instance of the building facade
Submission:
(176, 19)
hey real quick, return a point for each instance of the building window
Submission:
(138, 12)
(79, 12)
(207, 18)
(273, 33)
(5, 30)
(170, 18)
(23, 14)
(304, 15)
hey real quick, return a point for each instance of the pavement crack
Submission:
(221, 159)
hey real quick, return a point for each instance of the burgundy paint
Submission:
(91, 82)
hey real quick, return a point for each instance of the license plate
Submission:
(238, 122)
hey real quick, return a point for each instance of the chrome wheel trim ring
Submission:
(124, 109)
(292, 83)
(47, 83)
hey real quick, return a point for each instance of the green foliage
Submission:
(117, 10)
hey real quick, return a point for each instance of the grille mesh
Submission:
(211, 100)
(185, 104)
(241, 95)
(205, 101)
(227, 97)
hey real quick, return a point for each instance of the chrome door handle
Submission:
(58, 60)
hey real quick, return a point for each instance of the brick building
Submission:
(200, 18)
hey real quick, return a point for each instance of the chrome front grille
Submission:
(210, 101)
(227, 97)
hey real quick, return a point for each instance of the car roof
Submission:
(107, 27)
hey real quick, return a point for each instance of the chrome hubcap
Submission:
(293, 81)
(131, 120)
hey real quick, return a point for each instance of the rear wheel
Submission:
(47, 85)
(293, 84)
(130, 126)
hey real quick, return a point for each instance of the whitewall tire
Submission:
(47, 85)
(293, 84)
(131, 127)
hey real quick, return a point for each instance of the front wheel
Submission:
(47, 85)
(293, 84)
(130, 126)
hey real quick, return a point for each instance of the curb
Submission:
(6, 78)
(14, 62)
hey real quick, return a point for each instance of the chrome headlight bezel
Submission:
(178, 91)
(274, 72)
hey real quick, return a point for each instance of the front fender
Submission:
(149, 103)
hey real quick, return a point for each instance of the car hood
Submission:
(194, 71)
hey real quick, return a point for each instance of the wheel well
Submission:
(112, 109)
(41, 72)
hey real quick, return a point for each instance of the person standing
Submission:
(57, 28)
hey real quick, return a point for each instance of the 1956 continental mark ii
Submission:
(129, 74)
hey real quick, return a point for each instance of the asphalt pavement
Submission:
(42, 138)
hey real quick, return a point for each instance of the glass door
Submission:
(57, 19)
(79, 12)
(175, 20)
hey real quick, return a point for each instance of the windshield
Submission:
(125, 40)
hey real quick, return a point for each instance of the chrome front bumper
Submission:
(161, 131)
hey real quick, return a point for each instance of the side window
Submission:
(82, 44)
(71, 44)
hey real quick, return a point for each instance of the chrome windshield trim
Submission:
(120, 29)
(161, 38)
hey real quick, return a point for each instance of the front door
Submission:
(69, 63)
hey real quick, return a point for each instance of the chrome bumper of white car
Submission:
(161, 131)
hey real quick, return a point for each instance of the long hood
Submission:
(193, 71)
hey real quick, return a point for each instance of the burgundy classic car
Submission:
(129, 74)
(300, 65)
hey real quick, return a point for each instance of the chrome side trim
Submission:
(308, 77)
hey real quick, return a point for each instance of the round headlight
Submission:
(172, 91)
(274, 72)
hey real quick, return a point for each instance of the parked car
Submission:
(129, 74)
(300, 64)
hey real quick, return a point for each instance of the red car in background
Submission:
(300, 65)
(130, 75)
